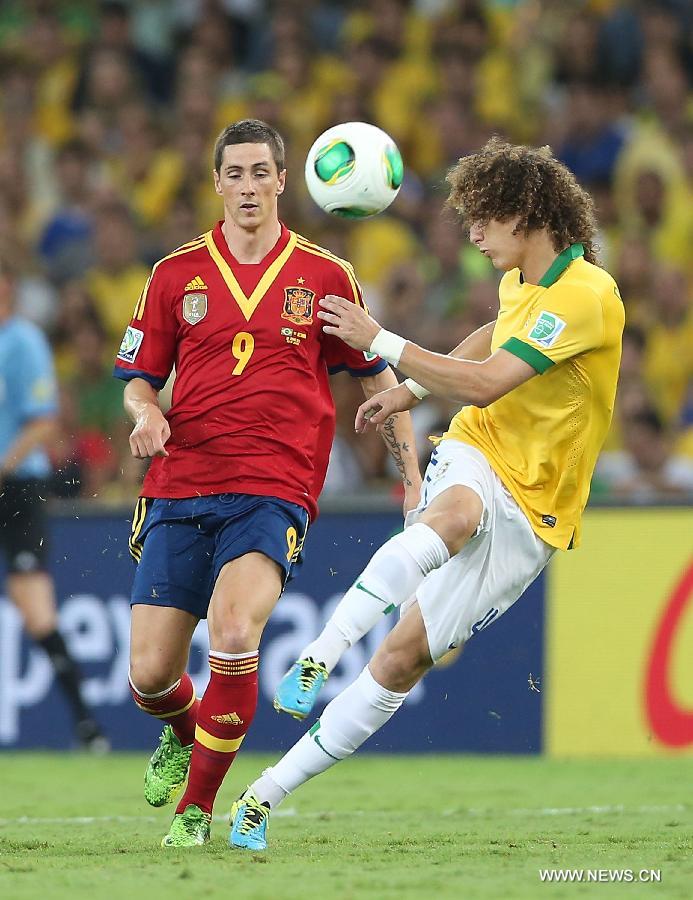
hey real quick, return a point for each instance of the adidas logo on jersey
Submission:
(197, 284)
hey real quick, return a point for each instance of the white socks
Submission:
(351, 718)
(391, 577)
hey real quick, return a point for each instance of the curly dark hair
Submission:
(505, 180)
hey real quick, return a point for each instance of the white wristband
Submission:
(416, 388)
(388, 345)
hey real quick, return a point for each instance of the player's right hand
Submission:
(378, 408)
(149, 435)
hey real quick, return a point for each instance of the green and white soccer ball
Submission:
(354, 170)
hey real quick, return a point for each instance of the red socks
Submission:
(176, 705)
(224, 716)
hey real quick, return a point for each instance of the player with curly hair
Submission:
(506, 485)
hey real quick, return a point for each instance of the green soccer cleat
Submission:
(189, 828)
(298, 690)
(167, 769)
(249, 820)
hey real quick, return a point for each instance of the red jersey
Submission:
(252, 410)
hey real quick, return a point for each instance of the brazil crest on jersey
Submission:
(543, 437)
(252, 410)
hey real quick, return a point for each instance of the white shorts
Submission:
(494, 568)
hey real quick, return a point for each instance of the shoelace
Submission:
(253, 816)
(166, 758)
(163, 751)
(310, 672)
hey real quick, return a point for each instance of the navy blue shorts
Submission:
(180, 546)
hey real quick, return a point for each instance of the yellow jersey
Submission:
(543, 438)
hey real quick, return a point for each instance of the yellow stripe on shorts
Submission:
(137, 522)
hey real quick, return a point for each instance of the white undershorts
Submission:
(493, 569)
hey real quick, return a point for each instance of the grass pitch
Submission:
(76, 827)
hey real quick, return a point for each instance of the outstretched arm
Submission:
(379, 407)
(463, 380)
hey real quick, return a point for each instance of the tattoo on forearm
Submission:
(395, 449)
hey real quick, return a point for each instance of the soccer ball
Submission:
(354, 170)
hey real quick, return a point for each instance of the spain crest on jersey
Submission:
(298, 305)
(194, 308)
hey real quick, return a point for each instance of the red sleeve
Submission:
(148, 349)
(338, 355)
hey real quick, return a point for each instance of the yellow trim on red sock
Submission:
(214, 743)
(243, 666)
(171, 715)
(221, 670)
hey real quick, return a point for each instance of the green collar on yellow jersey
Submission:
(531, 355)
(560, 264)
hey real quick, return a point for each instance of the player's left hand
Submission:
(376, 410)
(348, 321)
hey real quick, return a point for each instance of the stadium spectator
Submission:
(65, 240)
(669, 349)
(593, 138)
(647, 467)
(213, 33)
(24, 155)
(633, 395)
(117, 276)
(481, 307)
(146, 170)
(53, 60)
(112, 48)
(577, 50)
(101, 427)
(35, 295)
(181, 222)
(75, 307)
(109, 83)
(383, 243)
(635, 272)
(404, 296)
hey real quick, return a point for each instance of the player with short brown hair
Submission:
(237, 463)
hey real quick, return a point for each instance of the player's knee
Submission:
(235, 634)
(150, 675)
(399, 668)
(454, 526)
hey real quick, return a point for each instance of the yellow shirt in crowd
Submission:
(113, 294)
(543, 438)
(669, 365)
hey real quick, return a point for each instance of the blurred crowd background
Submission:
(109, 112)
